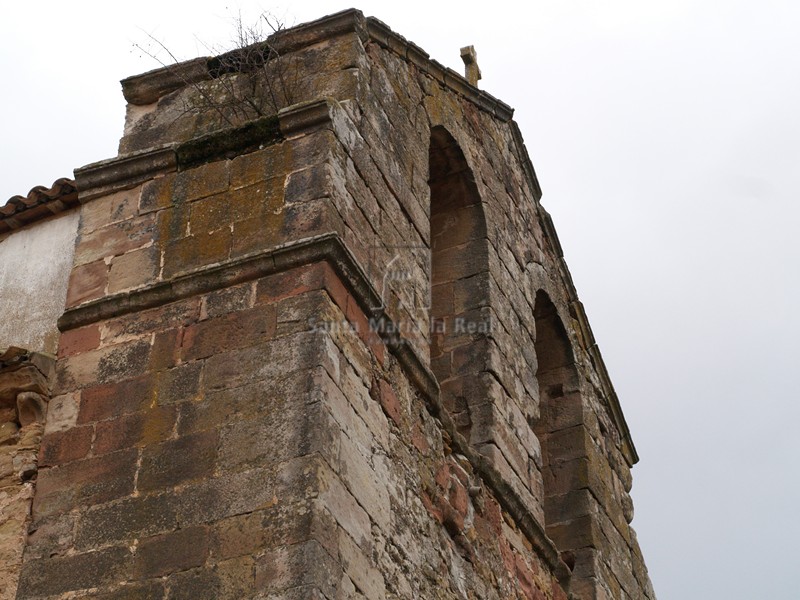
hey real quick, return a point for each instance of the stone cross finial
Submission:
(471, 69)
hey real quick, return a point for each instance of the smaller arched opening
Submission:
(556, 372)
(561, 433)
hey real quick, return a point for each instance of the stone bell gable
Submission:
(319, 341)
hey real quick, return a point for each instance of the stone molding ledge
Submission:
(127, 171)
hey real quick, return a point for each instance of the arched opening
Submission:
(459, 275)
(562, 435)
(556, 373)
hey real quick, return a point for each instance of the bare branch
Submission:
(253, 79)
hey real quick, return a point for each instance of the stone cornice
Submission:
(123, 172)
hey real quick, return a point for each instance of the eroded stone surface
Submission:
(22, 415)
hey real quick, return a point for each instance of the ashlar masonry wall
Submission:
(328, 351)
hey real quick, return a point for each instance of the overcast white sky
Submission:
(666, 137)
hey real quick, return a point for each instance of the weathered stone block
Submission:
(171, 552)
(87, 282)
(227, 300)
(134, 269)
(115, 239)
(194, 251)
(177, 461)
(76, 341)
(126, 520)
(235, 330)
(110, 209)
(84, 483)
(105, 401)
(229, 579)
(62, 447)
(134, 430)
(59, 575)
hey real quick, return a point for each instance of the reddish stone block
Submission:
(524, 577)
(65, 446)
(364, 328)
(275, 288)
(112, 208)
(390, 403)
(79, 340)
(334, 286)
(459, 497)
(558, 591)
(493, 515)
(87, 282)
(166, 349)
(107, 401)
(419, 439)
(235, 330)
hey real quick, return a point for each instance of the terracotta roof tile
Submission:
(40, 202)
